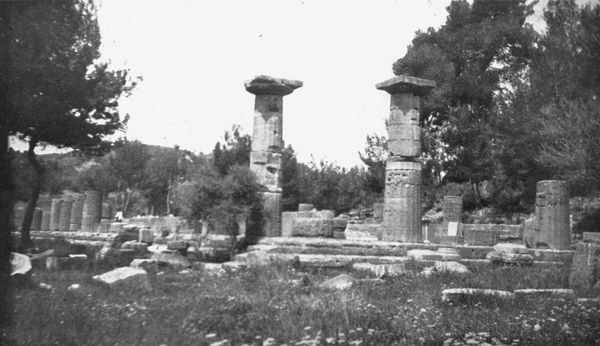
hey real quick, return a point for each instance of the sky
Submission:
(194, 57)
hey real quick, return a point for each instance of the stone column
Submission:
(46, 212)
(55, 213)
(402, 198)
(552, 214)
(267, 145)
(92, 209)
(76, 212)
(65, 213)
(452, 207)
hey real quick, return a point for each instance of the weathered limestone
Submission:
(126, 277)
(312, 227)
(267, 144)
(552, 214)
(76, 212)
(452, 207)
(305, 207)
(64, 220)
(402, 199)
(55, 213)
(585, 268)
(92, 209)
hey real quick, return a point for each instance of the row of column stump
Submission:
(70, 212)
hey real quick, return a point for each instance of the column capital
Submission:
(265, 85)
(406, 84)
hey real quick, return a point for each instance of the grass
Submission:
(263, 302)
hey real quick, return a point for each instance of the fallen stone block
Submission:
(511, 248)
(509, 258)
(214, 269)
(312, 227)
(451, 267)
(62, 263)
(178, 245)
(562, 292)
(125, 277)
(141, 248)
(149, 265)
(211, 254)
(174, 261)
(20, 263)
(234, 267)
(430, 255)
(363, 232)
(380, 270)
(339, 224)
(146, 236)
(459, 294)
(340, 282)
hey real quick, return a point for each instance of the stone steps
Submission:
(298, 245)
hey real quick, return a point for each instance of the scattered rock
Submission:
(340, 282)
(215, 269)
(20, 264)
(73, 287)
(233, 267)
(125, 277)
(451, 267)
(157, 248)
(45, 286)
(172, 260)
(221, 343)
(304, 281)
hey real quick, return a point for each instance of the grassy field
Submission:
(262, 303)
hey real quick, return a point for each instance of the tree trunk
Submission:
(36, 188)
(6, 185)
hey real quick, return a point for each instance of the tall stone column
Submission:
(76, 212)
(402, 198)
(267, 145)
(92, 209)
(65, 213)
(552, 214)
(55, 213)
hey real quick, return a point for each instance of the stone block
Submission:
(451, 240)
(339, 234)
(146, 236)
(363, 232)
(512, 248)
(475, 234)
(585, 269)
(141, 248)
(450, 267)
(509, 258)
(62, 263)
(380, 270)
(134, 278)
(340, 282)
(178, 245)
(312, 227)
(430, 255)
(148, 265)
(20, 263)
(340, 224)
(305, 207)
(174, 261)
(559, 292)
(462, 294)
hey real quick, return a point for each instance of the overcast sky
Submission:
(194, 57)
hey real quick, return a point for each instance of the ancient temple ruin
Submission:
(267, 144)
